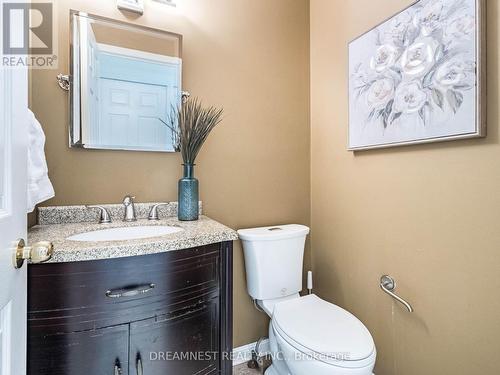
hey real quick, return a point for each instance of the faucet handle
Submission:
(104, 216)
(153, 213)
(128, 199)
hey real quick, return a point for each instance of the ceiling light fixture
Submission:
(171, 3)
(136, 6)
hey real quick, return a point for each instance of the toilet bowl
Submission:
(308, 336)
(312, 336)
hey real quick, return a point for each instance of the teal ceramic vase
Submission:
(188, 195)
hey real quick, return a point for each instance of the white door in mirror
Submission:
(125, 233)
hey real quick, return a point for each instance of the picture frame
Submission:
(419, 76)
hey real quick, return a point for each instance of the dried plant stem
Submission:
(191, 124)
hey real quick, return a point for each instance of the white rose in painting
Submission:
(429, 17)
(380, 93)
(419, 58)
(459, 28)
(409, 98)
(385, 57)
(454, 73)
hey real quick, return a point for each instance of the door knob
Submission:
(39, 252)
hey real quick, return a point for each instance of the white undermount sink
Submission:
(125, 233)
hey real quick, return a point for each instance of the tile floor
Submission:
(244, 370)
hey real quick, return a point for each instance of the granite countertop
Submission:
(196, 233)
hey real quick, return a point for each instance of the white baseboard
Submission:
(243, 353)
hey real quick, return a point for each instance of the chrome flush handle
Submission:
(388, 284)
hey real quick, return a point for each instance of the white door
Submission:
(129, 113)
(13, 184)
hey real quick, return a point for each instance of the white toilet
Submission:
(308, 335)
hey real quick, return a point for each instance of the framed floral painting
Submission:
(417, 77)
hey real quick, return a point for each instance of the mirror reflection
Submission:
(126, 79)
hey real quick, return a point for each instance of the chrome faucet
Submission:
(153, 213)
(104, 216)
(128, 202)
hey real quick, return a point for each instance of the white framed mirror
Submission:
(124, 81)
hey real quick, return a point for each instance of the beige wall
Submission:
(163, 44)
(252, 58)
(428, 215)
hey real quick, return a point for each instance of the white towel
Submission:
(39, 186)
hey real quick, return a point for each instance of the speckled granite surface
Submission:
(80, 214)
(196, 233)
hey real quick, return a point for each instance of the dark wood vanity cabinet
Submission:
(160, 314)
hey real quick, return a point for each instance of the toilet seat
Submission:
(325, 332)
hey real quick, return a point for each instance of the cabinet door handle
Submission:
(130, 292)
(140, 370)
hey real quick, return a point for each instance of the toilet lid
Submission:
(324, 328)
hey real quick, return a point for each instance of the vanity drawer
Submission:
(89, 294)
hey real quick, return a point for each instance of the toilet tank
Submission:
(274, 260)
